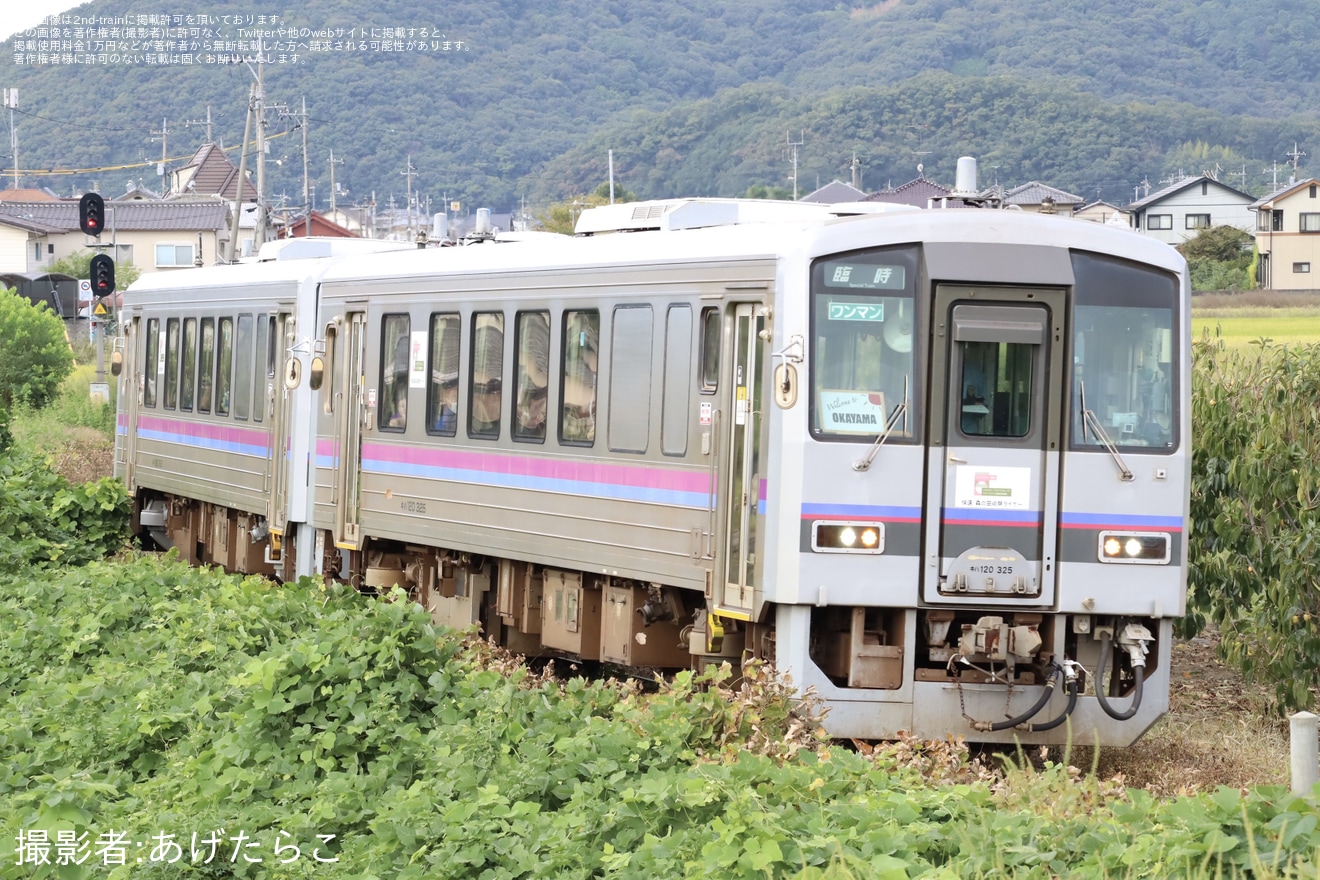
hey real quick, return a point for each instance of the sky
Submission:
(17, 15)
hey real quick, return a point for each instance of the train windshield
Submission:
(1125, 355)
(863, 332)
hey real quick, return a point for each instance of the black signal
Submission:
(91, 214)
(103, 275)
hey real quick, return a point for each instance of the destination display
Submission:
(864, 276)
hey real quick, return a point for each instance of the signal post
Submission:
(91, 218)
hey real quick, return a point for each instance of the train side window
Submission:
(710, 350)
(189, 384)
(442, 401)
(264, 369)
(674, 411)
(326, 386)
(244, 364)
(487, 375)
(577, 379)
(224, 367)
(394, 344)
(205, 363)
(533, 343)
(149, 362)
(172, 363)
(630, 379)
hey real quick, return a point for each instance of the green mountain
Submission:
(496, 103)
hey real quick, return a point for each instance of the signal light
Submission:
(103, 275)
(91, 213)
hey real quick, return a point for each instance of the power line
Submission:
(54, 172)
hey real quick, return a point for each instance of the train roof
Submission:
(700, 230)
(814, 231)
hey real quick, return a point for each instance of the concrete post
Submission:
(1305, 749)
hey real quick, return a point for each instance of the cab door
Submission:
(741, 486)
(993, 487)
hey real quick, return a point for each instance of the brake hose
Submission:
(1138, 675)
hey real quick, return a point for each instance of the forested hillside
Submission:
(700, 96)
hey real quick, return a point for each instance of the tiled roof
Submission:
(210, 172)
(27, 195)
(126, 216)
(1035, 192)
(916, 192)
(832, 192)
(1282, 191)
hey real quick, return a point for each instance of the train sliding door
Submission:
(348, 400)
(741, 486)
(996, 431)
(279, 399)
(129, 383)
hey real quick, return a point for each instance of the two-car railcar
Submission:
(932, 463)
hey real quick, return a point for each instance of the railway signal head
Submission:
(91, 213)
(103, 275)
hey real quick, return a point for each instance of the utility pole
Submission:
(408, 173)
(333, 163)
(207, 122)
(1296, 156)
(11, 101)
(307, 203)
(793, 155)
(856, 172)
(238, 184)
(1274, 170)
(163, 137)
(260, 235)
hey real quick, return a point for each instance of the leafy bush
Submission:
(148, 698)
(34, 354)
(1256, 510)
(44, 520)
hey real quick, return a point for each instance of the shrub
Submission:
(34, 353)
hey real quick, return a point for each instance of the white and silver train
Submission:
(932, 464)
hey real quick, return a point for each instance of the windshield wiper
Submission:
(1092, 422)
(898, 412)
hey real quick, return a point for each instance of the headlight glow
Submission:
(1136, 548)
(831, 536)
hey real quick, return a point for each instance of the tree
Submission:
(1219, 258)
(761, 191)
(1223, 244)
(78, 265)
(562, 217)
(34, 353)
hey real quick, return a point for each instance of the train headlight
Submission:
(847, 537)
(1139, 548)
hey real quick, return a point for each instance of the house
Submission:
(1103, 212)
(152, 235)
(1287, 233)
(834, 192)
(1181, 210)
(298, 224)
(918, 193)
(1041, 198)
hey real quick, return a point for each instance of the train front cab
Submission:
(1017, 532)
